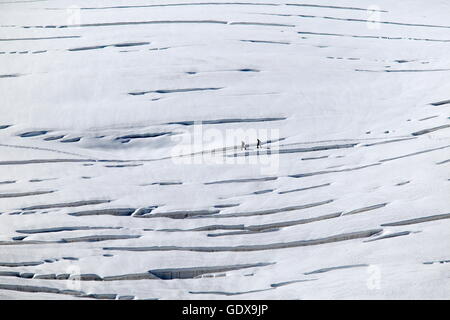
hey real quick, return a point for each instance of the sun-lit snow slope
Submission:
(352, 202)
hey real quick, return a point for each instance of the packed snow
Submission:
(122, 170)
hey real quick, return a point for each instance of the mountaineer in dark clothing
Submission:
(258, 144)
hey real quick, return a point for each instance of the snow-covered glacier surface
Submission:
(121, 169)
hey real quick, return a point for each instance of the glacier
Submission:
(122, 172)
